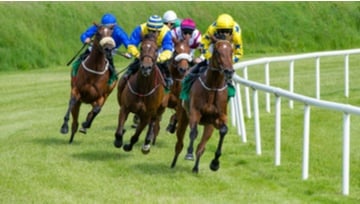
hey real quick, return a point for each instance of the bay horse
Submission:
(179, 64)
(142, 95)
(91, 86)
(207, 106)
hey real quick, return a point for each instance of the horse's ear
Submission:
(96, 24)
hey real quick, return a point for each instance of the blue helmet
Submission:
(108, 19)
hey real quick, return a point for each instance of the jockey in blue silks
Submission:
(119, 35)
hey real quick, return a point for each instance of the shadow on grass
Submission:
(54, 140)
(99, 155)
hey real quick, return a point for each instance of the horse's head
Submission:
(221, 59)
(148, 54)
(104, 40)
(182, 57)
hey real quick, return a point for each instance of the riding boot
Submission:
(132, 68)
(76, 64)
(166, 73)
(197, 67)
(112, 68)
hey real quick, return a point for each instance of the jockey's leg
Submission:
(166, 73)
(194, 70)
(111, 67)
(76, 63)
(132, 68)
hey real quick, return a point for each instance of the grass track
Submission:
(39, 166)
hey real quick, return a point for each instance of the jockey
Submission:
(163, 35)
(171, 20)
(223, 28)
(119, 35)
(188, 29)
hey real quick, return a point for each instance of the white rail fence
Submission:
(238, 115)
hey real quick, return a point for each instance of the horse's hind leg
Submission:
(90, 118)
(172, 124)
(65, 128)
(208, 129)
(215, 163)
(180, 132)
(75, 115)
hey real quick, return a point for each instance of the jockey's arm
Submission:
(168, 47)
(134, 41)
(237, 46)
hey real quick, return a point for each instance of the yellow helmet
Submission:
(224, 21)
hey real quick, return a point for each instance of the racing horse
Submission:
(90, 86)
(142, 95)
(178, 67)
(207, 106)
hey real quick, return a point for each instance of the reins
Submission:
(93, 71)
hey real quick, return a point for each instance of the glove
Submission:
(133, 51)
(164, 56)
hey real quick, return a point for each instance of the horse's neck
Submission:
(213, 77)
(147, 83)
(96, 59)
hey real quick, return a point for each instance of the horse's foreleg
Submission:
(208, 129)
(215, 163)
(75, 115)
(156, 130)
(65, 128)
(120, 129)
(96, 108)
(135, 137)
(180, 132)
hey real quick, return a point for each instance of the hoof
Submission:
(189, 157)
(145, 149)
(171, 128)
(82, 130)
(127, 148)
(214, 165)
(64, 129)
(195, 170)
(117, 143)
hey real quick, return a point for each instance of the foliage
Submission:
(42, 34)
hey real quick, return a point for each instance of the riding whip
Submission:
(72, 59)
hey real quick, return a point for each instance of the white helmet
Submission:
(169, 16)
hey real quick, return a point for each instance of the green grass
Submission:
(39, 166)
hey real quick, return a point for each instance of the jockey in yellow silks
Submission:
(164, 42)
(224, 25)
(223, 28)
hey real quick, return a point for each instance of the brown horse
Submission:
(178, 66)
(207, 105)
(91, 83)
(143, 95)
